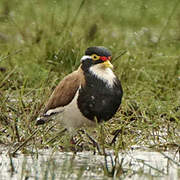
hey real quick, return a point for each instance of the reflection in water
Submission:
(85, 165)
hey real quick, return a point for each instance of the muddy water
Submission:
(47, 164)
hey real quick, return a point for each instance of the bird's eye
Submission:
(95, 57)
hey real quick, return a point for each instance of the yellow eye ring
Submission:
(95, 57)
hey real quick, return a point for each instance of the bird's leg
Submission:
(73, 145)
(76, 144)
(95, 144)
(115, 136)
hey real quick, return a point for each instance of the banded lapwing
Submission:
(91, 94)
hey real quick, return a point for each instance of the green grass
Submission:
(41, 41)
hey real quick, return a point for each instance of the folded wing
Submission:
(64, 92)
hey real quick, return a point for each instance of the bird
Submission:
(90, 95)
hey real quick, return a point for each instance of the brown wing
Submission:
(65, 91)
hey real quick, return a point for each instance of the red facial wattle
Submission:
(104, 58)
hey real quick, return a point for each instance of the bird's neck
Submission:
(104, 74)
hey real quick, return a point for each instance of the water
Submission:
(47, 164)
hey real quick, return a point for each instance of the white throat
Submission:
(105, 74)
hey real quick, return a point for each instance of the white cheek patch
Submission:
(106, 74)
(85, 57)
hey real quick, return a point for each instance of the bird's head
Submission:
(96, 55)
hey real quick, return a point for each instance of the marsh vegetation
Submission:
(41, 41)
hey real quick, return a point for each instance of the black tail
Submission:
(42, 120)
(46, 118)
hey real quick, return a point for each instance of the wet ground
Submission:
(47, 164)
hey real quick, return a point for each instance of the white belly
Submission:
(72, 118)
